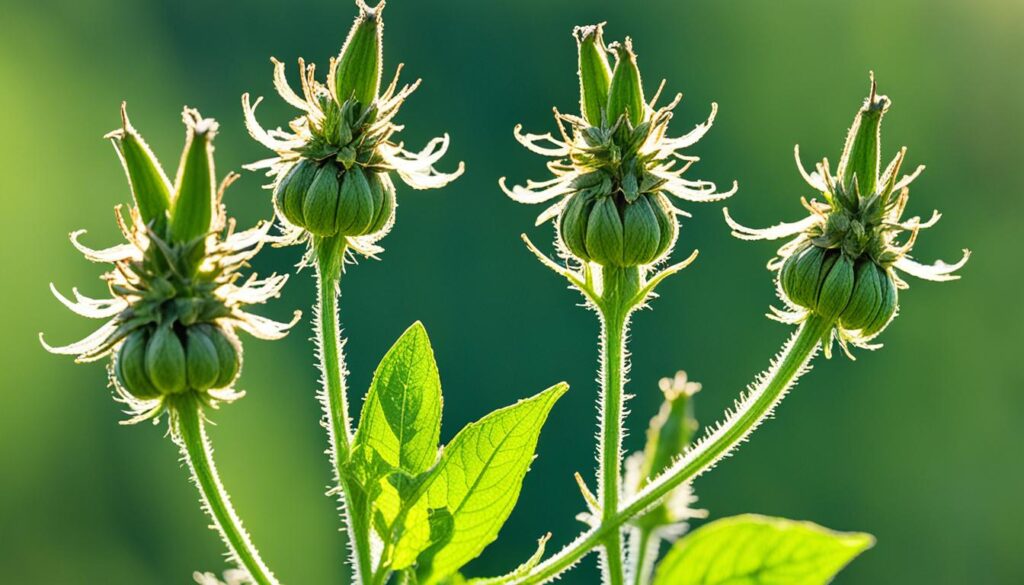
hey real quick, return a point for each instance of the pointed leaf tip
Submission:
(594, 72)
(150, 186)
(195, 186)
(357, 70)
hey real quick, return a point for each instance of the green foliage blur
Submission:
(918, 444)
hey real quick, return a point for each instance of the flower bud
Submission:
(202, 364)
(357, 71)
(383, 191)
(291, 190)
(594, 71)
(861, 155)
(195, 187)
(151, 188)
(836, 284)
(625, 92)
(130, 366)
(320, 204)
(165, 361)
(355, 210)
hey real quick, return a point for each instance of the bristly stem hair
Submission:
(189, 432)
(751, 410)
(329, 254)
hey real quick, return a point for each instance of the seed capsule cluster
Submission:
(600, 227)
(615, 166)
(328, 200)
(841, 261)
(860, 294)
(160, 361)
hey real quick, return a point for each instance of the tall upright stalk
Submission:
(761, 401)
(617, 302)
(334, 397)
(190, 435)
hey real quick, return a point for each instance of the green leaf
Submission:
(758, 550)
(195, 188)
(478, 480)
(401, 418)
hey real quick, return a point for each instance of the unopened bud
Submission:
(195, 186)
(151, 188)
(861, 155)
(357, 71)
(595, 72)
(625, 92)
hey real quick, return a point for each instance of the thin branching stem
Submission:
(752, 409)
(190, 434)
(334, 396)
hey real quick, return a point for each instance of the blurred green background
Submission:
(919, 444)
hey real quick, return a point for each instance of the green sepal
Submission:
(383, 191)
(668, 227)
(229, 353)
(641, 233)
(357, 71)
(572, 223)
(886, 308)
(595, 72)
(195, 187)
(626, 93)
(150, 186)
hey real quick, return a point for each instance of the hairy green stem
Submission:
(329, 257)
(190, 435)
(643, 552)
(758, 404)
(620, 286)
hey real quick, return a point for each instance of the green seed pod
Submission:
(357, 71)
(320, 204)
(667, 224)
(355, 207)
(626, 93)
(887, 307)
(866, 298)
(836, 285)
(800, 274)
(642, 234)
(195, 188)
(229, 353)
(165, 361)
(861, 157)
(595, 72)
(130, 366)
(604, 233)
(383, 191)
(291, 190)
(150, 186)
(202, 364)
(572, 224)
